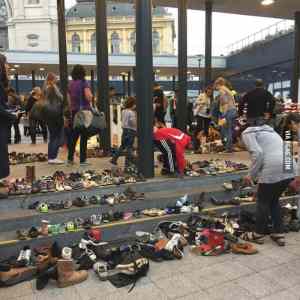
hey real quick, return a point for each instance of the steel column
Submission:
(208, 42)
(129, 83)
(124, 84)
(93, 82)
(17, 83)
(62, 47)
(33, 82)
(182, 65)
(174, 83)
(144, 86)
(103, 70)
(296, 66)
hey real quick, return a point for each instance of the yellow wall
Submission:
(123, 26)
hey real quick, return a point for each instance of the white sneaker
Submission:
(55, 162)
(186, 209)
(173, 242)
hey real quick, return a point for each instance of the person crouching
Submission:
(172, 143)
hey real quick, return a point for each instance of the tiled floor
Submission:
(274, 273)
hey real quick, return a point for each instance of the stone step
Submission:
(155, 185)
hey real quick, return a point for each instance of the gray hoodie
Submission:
(267, 153)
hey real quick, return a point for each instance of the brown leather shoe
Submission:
(243, 248)
(17, 275)
(67, 276)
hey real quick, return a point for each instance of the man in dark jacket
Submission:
(258, 104)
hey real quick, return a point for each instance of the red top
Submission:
(177, 137)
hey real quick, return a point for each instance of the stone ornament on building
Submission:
(80, 20)
(33, 40)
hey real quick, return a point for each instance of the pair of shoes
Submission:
(55, 162)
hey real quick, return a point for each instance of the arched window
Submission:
(115, 43)
(75, 43)
(155, 42)
(93, 43)
(132, 41)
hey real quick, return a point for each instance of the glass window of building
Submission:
(93, 43)
(76, 43)
(115, 43)
(155, 41)
(132, 41)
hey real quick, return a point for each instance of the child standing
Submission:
(129, 122)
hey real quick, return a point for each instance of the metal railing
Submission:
(265, 35)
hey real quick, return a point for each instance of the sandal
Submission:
(253, 237)
(278, 239)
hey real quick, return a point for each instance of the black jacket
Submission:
(257, 102)
(6, 119)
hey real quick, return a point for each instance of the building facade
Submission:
(81, 36)
(32, 25)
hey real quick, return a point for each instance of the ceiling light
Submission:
(267, 2)
(16, 66)
(42, 69)
(12, 69)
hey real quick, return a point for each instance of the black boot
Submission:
(44, 277)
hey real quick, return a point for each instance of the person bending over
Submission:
(267, 156)
(172, 143)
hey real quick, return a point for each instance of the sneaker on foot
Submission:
(55, 162)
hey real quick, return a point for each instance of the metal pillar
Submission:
(62, 47)
(296, 67)
(129, 83)
(33, 82)
(174, 83)
(208, 42)
(17, 83)
(93, 82)
(103, 70)
(182, 65)
(144, 86)
(124, 84)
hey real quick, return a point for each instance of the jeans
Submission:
(127, 142)
(267, 204)
(56, 136)
(33, 124)
(17, 136)
(227, 130)
(73, 136)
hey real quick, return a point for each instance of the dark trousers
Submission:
(127, 142)
(56, 136)
(33, 125)
(168, 150)
(73, 136)
(267, 204)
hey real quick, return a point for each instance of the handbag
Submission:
(53, 106)
(36, 112)
(83, 118)
(91, 121)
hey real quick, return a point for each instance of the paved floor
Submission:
(274, 273)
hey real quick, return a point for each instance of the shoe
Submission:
(33, 232)
(17, 275)
(55, 162)
(44, 277)
(43, 208)
(243, 248)
(85, 164)
(44, 228)
(67, 276)
(24, 257)
(113, 162)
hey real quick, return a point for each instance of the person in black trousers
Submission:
(14, 104)
(81, 97)
(6, 119)
(35, 124)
